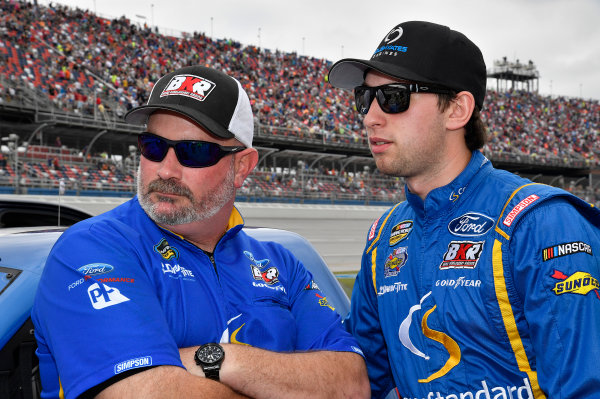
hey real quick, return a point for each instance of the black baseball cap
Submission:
(421, 52)
(211, 98)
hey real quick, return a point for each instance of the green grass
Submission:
(346, 282)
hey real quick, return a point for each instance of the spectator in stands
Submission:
(161, 284)
(474, 286)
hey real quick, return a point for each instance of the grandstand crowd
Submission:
(76, 62)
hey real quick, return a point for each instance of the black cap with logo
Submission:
(211, 98)
(421, 52)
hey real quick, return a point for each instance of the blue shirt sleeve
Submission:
(556, 256)
(363, 322)
(318, 325)
(96, 312)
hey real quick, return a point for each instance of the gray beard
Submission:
(198, 208)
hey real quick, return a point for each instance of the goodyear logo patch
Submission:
(568, 248)
(395, 261)
(400, 232)
(166, 251)
(577, 283)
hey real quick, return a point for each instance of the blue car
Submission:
(29, 229)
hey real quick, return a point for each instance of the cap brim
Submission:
(140, 115)
(350, 72)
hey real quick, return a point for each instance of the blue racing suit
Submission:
(487, 289)
(120, 293)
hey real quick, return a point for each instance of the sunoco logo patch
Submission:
(400, 231)
(577, 283)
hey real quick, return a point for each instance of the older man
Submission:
(149, 298)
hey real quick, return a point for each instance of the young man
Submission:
(147, 299)
(482, 284)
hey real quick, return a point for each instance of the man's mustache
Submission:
(168, 187)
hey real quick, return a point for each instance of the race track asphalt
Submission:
(337, 231)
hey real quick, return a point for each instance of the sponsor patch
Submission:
(519, 208)
(462, 281)
(373, 229)
(177, 271)
(269, 276)
(577, 283)
(568, 248)
(312, 286)
(400, 232)
(395, 261)
(133, 364)
(462, 255)
(166, 251)
(396, 287)
(323, 302)
(471, 224)
(94, 269)
(191, 86)
(115, 280)
(103, 296)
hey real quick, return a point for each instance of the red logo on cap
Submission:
(190, 86)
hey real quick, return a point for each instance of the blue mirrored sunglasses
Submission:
(190, 153)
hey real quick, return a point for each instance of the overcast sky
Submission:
(561, 37)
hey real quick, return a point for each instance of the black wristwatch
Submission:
(209, 357)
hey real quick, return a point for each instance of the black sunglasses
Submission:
(392, 98)
(190, 153)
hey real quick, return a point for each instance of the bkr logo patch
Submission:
(191, 86)
(462, 255)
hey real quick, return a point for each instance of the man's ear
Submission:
(460, 110)
(245, 161)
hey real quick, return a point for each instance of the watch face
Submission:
(210, 353)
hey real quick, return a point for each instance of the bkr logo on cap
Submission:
(191, 86)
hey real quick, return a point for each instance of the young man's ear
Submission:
(245, 162)
(460, 110)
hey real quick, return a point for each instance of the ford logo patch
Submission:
(471, 224)
(94, 269)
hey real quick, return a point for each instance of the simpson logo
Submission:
(166, 251)
(93, 269)
(568, 248)
(395, 261)
(400, 232)
(373, 229)
(191, 86)
(577, 283)
(103, 296)
(462, 255)
(133, 364)
(471, 224)
(519, 208)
